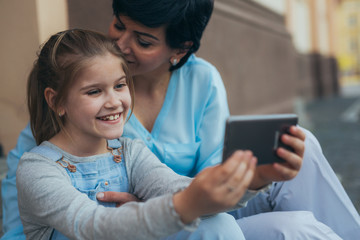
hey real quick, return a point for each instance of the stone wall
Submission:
(253, 51)
(247, 42)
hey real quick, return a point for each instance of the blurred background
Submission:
(275, 56)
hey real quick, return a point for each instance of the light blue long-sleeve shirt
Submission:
(189, 130)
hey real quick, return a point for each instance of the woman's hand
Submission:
(266, 174)
(217, 188)
(117, 197)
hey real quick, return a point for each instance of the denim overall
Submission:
(105, 174)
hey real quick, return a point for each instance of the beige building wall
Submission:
(24, 25)
(247, 41)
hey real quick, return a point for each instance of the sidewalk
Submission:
(335, 122)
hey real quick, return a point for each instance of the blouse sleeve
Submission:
(11, 218)
(212, 123)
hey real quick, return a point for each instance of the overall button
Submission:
(106, 183)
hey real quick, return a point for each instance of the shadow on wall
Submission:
(90, 14)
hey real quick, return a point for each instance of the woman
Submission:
(180, 111)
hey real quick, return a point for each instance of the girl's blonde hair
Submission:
(59, 62)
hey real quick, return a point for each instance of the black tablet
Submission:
(258, 133)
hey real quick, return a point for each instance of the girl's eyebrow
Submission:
(95, 85)
(139, 33)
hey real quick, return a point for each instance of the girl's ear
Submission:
(50, 95)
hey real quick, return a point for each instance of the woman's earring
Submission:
(174, 62)
(60, 114)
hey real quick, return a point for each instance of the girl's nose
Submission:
(113, 101)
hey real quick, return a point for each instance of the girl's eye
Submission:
(93, 92)
(120, 85)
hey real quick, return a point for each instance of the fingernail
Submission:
(100, 195)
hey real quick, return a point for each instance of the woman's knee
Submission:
(285, 225)
(220, 227)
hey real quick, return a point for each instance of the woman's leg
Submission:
(222, 226)
(315, 189)
(295, 225)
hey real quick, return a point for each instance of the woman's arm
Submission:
(11, 218)
(212, 122)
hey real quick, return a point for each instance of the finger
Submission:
(248, 174)
(285, 172)
(239, 189)
(293, 160)
(296, 143)
(116, 197)
(239, 169)
(237, 179)
(229, 167)
(297, 132)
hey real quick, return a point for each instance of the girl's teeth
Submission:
(111, 118)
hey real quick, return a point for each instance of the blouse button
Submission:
(106, 183)
(148, 138)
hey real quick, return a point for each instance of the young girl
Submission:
(79, 96)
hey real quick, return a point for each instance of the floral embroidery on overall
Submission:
(72, 168)
(117, 157)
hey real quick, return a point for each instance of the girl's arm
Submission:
(47, 200)
(214, 190)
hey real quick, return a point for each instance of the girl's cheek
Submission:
(126, 99)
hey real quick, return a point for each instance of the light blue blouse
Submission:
(189, 130)
(187, 135)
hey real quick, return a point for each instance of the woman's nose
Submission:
(123, 42)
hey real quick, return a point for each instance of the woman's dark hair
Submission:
(185, 20)
(60, 60)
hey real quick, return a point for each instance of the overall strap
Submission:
(47, 152)
(114, 143)
(54, 155)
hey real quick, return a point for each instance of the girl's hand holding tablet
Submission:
(216, 189)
